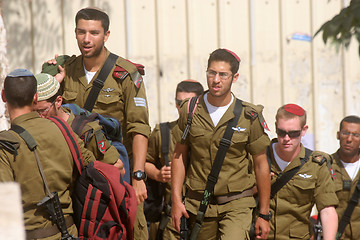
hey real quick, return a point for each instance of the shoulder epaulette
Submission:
(9, 142)
(321, 158)
(70, 60)
(255, 111)
(125, 67)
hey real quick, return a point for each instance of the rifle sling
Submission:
(99, 82)
(345, 218)
(31, 143)
(224, 145)
(165, 141)
(285, 177)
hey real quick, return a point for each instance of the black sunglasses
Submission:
(291, 134)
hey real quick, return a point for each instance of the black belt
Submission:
(49, 231)
(218, 200)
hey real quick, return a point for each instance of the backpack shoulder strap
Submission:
(99, 82)
(225, 143)
(165, 141)
(284, 178)
(192, 104)
(71, 141)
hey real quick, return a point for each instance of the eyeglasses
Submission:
(291, 134)
(348, 134)
(222, 75)
(46, 110)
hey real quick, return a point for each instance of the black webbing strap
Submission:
(345, 218)
(165, 149)
(285, 177)
(215, 170)
(192, 104)
(99, 82)
(165, 141)
(31, 143)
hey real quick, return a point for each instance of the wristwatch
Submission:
(266, 217)
(139, 175)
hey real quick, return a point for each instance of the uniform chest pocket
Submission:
(239, 138)
(108, 98)
(303, 189)
(69, 96)
(198, 137)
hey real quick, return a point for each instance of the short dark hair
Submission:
(190, 86)
(349, 119)
(53, 98)
(225, 56)
(93, 14)
(19, 91)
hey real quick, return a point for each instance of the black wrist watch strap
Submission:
(266, 217)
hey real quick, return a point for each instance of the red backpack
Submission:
(104, 205)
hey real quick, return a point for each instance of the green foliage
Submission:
(341, 28)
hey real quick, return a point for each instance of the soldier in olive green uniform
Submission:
(312, 184)
(346, 166)
(123, 95)
(184, 90)
(229, 213)
(53, 152)
(49, 104)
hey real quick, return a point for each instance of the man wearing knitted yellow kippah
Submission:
(49, 104)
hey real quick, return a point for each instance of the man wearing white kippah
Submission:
(49, 104)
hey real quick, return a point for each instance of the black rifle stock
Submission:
(53, 207)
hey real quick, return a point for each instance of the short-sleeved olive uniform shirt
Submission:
(57, 163)
(345, 188)
(236, 174)
(119, 98)
(291, 206)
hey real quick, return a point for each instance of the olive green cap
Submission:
(54, 69)
(47, 86)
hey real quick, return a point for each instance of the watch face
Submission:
(139, 175)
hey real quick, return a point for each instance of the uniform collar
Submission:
(228, 115)
(25, 117)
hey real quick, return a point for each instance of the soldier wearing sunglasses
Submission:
(346, 166)
(311, 184)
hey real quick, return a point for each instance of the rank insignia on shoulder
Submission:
(319, 159)
(101, 146)
(253, 115)
(121, 74)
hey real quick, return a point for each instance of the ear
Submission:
(235, 78)
(107, 34)
(304, 129)
(3, 96)
(58, 101)
(35, 99)
(338, 135)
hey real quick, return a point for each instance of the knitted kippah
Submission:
(47, 86)
(294, 109)
(20, 73)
